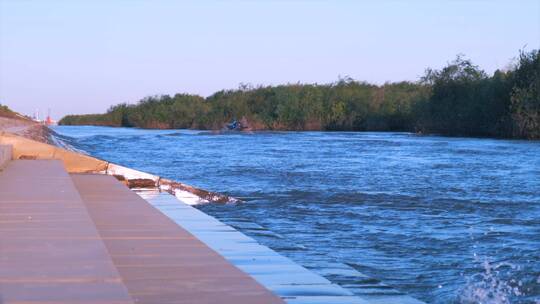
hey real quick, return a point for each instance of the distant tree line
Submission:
(458, 100)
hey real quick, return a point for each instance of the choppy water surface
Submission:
(446, 220)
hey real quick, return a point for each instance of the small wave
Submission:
(175, 134)
(65, 142)
(468, 152)
(208, 133)
(219, 132)
(101, 137)
(442, 166)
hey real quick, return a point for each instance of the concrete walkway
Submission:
(158, 260)
(89, 239)
(50, 250)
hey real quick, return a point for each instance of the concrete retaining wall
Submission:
(24, 148)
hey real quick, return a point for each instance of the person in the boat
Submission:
(233, 125)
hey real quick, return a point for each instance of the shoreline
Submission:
(32, 140)
(219, 132)
(265, 274)
(165, 195)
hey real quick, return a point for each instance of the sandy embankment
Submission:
(25, 128)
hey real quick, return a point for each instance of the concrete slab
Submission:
(158, 260)
(50, 250)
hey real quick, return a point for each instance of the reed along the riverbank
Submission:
(458, 100)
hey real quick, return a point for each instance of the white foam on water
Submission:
(188, 198)
(490, 287)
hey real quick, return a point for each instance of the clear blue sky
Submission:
(83, 56)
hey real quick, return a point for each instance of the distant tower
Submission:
(48, 121)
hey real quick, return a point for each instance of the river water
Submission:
(445, 220)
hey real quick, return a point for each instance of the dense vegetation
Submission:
(459, 99)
